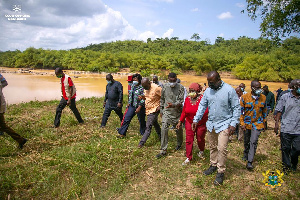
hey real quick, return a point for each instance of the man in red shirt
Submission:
(68, 99)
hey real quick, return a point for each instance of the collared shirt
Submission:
(254, 111)
(223, 106)
(114, 93)
(152, 98)
(134, 94)
(174, 95)
(290, 122)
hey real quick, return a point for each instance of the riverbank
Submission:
(85, 162)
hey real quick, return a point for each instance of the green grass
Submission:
(85, 162)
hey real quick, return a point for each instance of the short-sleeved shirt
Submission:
(290, 122)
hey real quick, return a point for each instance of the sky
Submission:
(67, 24)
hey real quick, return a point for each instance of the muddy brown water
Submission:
(43, 85)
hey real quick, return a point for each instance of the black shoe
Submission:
(219, 179)
(210, 170)
(160, 155)
(121, 136)
(21, 144)
(249, 166)
(177, 148)
(244, 158)
(140, 146)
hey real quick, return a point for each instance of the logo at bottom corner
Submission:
(273, 179)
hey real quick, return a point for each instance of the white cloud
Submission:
(225, 15)
(168, 33)
(50, 30)
(240, 5)
(153, 23)
(221, 35)
(195, 10)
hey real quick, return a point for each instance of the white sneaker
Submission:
(200, 154)
(186, 162)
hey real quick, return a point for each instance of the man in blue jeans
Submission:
(290, 126)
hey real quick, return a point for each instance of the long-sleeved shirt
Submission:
(189, 111)
(270, 99)
(290, 122)
(114, 93)
(223, 105)
(174, 95)
(254, 111)
(152, 98)
(134, 93)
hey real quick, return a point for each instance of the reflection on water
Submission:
(28, 87)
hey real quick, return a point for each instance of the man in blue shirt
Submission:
(224, 113)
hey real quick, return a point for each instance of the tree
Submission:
(279, 17)
(195, 36)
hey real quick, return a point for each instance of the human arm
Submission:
(272, 102)
(277, 119)
(236, 110)
(242, 117)
(162, 101)
(203, 105)
(120, 91)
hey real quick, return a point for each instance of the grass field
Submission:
(86, 162)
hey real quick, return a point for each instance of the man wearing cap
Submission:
(113, 100)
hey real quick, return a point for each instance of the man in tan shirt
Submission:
(152, 96)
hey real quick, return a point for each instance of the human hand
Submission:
(178, 125)
(119, 105)
(170, 105)
(194, 126)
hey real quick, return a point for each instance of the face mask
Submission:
(289, 89)
(192, 94)
(134, 82)
(242, 89)
(172, 84)
(59, 76)
(298, 91)
(109, 82)
(257, 92)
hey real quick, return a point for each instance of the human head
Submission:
(59, 72)
(242, 86)
(146, 83)
(266, 88)
(137, 77)
(295, 86)
(214, 80)
(194, 90)
(109, 78)
(256, 88)
(239, 91)
(155, 79)
(172, 77)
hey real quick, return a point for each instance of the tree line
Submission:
(246, 58)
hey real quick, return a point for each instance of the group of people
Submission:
(218, 110)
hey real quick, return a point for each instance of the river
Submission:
(43, 85)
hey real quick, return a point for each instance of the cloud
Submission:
(221, 35)
(240, 5)
(65, 24)
(225, 15)
(168, 33)
(153, 23)
(195, 10)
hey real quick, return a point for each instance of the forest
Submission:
(246, 58)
